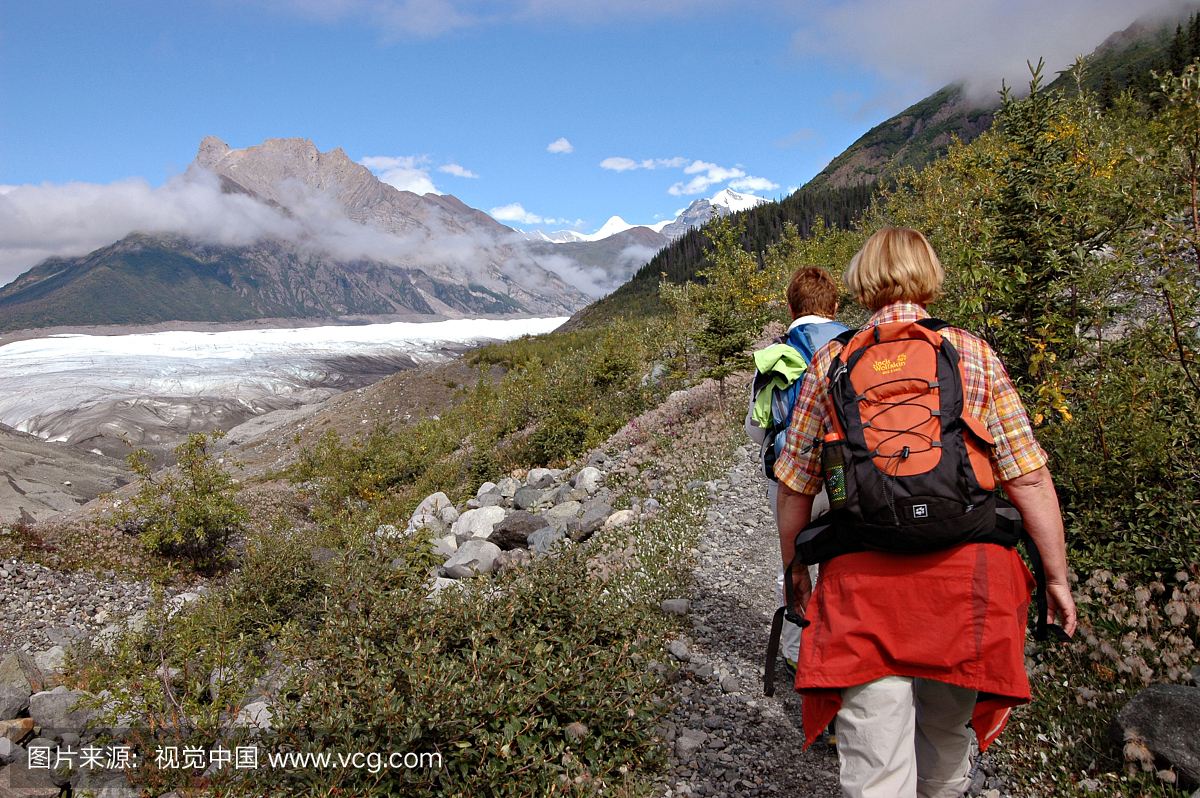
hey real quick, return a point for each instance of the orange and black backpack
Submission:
(907, 470)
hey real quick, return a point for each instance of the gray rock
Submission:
(428, 511)
(487, 487)
(508, 487)
(620, 518)
(588, 479)
(440, 583)
(526, 498)
(676, 606)
(65, 636)
(493, 499)
(539, 478)
(56, 710)
(651, 506)
(560, 513)
(730, 685)
(1164, 718)
(686, 748)
(679, 650)
(472, 558)
(513, 532)
(445, 547)
(13, 701)
(448, 515)
(594, 516)
(714, 722)
(118, 787)
(19, 670)
(53, 660)
(478, 523)
(598, 459)
(320, 554)
(9, 751)
(255, 715)
(543, 540)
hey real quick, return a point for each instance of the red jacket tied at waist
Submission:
(955, 616)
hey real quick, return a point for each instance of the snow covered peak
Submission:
(613, 226)
(728, 198)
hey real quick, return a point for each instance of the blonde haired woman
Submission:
(907, 649)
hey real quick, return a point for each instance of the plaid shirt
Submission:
(989, 396)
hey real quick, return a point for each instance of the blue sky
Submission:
(468, 95)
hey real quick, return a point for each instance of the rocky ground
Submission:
(727, 738)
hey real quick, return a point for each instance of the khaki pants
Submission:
(899, 737)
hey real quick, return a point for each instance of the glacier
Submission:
(150, 388)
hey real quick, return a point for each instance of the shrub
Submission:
(187, 512)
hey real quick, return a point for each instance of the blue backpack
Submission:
(806, 339)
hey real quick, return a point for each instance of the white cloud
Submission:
(515, 213)
(930, 43)
(752, 184)
(5, 189)
(561, 146)
(620, 164)
(407, 173)
(457, 171)
(706, 176)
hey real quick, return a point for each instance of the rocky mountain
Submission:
(273, 170)
(145, 279)
(723, 203)
(914, 137)
(357, 246)
(693, 216)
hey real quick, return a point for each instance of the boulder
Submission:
(17, 729)
(53, 660)
(478, 523)
(486, 487)
(620, 518)
(490, 500)
(539, 478)
(8, 750)
(594, 516)
(1164, 718)
(13, 701)
(588, 479)
(439, 584)
(19, 670)
(448, 515)
(56, 710)
(676, 606)
(428, 511)
(472, 558)
(560, 513)
(445, 547)
(543, 540)
(513, 532)
(526, 498)
(508, 487)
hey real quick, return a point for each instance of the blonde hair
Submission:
(896, 264)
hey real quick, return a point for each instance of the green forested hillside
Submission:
(683, 259)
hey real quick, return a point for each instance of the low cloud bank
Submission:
(73, 219)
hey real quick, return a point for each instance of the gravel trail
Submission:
(744, 743)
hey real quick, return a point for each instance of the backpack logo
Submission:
(920, 511)
(886, 366)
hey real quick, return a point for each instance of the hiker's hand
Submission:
(1061, 607)
(802, 587)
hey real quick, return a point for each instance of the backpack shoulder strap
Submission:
(845, 337)
(935, 325)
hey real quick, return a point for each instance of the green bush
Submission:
(187, 512)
